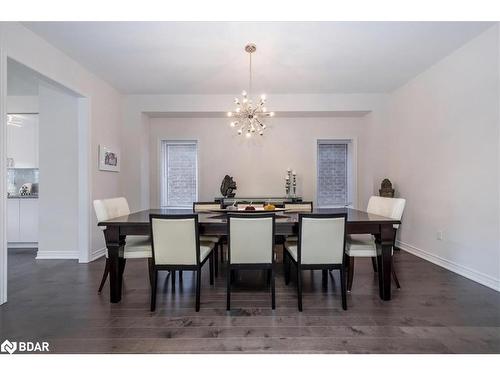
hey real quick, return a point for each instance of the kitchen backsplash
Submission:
(16, 177)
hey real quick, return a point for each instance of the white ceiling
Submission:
(291, 57)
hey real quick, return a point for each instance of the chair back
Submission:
(250, 238)
(388, 207)
(321, 238)
(106, 209)
(300, 206)
(175, 239)
(205, 206)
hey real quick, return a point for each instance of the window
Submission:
(334, 175)
(179, 174)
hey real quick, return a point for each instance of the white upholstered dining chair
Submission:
(177, 246)
(136, 247)
(364, 245)
(298, 207)
(204, 207)
(250, 246)
(320, 245)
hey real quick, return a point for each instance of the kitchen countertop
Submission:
(22, 197)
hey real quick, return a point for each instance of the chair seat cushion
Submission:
(204, 238)
(361, 245)
(291, 247)
(137, 247)
(205, 248)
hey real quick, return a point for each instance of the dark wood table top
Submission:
(142, 217)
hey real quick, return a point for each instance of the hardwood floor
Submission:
(436, 311)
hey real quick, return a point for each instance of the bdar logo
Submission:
(9, 347)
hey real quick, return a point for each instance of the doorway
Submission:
(46, 174)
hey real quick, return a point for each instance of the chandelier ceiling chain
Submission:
(250, 75)
(249, 118)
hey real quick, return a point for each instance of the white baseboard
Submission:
(467, 272)
(57, 255)
(96, 254)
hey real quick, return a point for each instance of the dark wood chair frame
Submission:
(179, 267)
(219, 245)
(122, 267)
(104, 276)
(270, 267)
(350, 268)
(288, 260)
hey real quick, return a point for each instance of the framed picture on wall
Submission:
(109, 159)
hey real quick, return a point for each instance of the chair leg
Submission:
(153, 290)
(273, 290)
(104, 276)
(350, 273)
(198, 287)
(172, 275)
(374, 264)
(299, 288)
(343, 288)
(286, 264)
(216, 259)
(221, 249)
(151, 271)
(394, 276)
(324, 278)
(211, 266)
(233, 276)
(228, 288)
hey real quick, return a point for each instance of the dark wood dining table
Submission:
(215, 223)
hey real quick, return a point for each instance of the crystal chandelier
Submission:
(248, 117)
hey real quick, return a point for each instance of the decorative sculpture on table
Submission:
(288, 182)
(386, 189)
(291, 183)
(227, 187)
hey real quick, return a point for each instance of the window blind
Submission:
(332, 174)
(179, 178)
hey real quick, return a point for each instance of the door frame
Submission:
(3, 176)
(84, 171)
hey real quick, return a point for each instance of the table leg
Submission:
(384, 261)
(114, 245)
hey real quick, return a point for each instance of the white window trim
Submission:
(352, 173)
(162, 174)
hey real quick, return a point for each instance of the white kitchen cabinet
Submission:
(22, 140)
(22, 222)
(13, 220)
(28, 220)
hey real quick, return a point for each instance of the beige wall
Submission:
(259, 164)
(135, 176)
(58, 238)
(442, 129)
